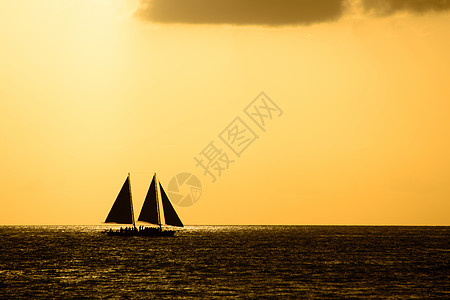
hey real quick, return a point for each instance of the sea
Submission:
(226, 262)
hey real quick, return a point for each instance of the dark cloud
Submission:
(387, 7)
(241, 12)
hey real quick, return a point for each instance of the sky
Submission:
(354, 96)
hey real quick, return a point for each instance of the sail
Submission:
(149, 211)
(122, 209)
(170, 214)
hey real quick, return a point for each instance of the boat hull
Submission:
(152, 232)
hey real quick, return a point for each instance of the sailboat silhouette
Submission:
(122, 212)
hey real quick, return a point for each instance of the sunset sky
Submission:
(93, 89)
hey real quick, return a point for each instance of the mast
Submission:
(158, 210)
(155, 204)
(131, 201)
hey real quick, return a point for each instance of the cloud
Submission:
(387, 7)
(242, 12)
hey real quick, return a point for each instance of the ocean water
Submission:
(285, 262)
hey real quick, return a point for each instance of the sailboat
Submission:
(122, 212)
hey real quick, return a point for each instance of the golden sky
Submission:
(91, 90)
